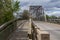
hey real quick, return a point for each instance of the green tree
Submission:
(25, 14)
(7, 8)
(53, 17)
(47, 17)
(15, 6)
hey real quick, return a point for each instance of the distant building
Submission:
(37, 12)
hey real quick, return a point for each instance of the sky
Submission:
(51, 7)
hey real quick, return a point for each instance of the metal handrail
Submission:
(54, 21)
(7, 28)
(6, 24)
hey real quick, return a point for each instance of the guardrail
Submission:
(54, 21)
(37, 34)
(7, 28)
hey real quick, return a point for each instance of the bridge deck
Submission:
(21, 33)
(53, 29)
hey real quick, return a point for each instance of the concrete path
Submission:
(21, 33)
(53, 29)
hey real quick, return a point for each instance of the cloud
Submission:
(32, 2)
(22, 4)
(50, 6)
(47, 4)
(56, 13)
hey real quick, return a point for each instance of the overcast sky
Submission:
(50, 6)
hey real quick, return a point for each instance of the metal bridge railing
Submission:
(7, 28)
(54, 21)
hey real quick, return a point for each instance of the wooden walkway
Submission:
(21, 33)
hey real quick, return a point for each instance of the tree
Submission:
(7, 8)
(53, 17)
(25, 14)
(47, 17)
(16, 6)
